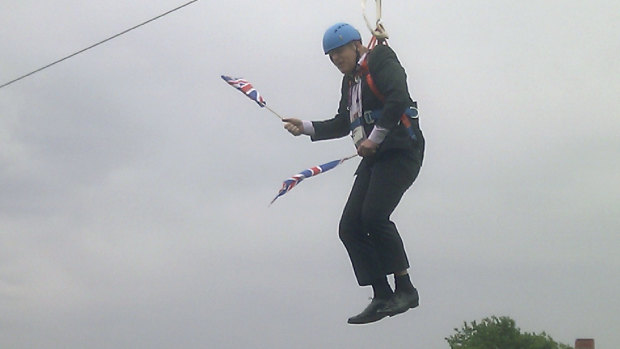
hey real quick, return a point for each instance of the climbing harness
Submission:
(411, 113)
(380, 36)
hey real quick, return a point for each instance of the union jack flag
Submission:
(245, 87)
(290, 183)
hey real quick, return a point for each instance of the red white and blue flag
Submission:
(313, 171)
(245, 87)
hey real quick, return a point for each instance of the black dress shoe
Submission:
(400, 302)
(371, 313)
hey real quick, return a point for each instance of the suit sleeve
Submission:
(338, 126)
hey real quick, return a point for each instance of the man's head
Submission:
(343, 44)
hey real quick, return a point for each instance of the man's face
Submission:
(344, 58)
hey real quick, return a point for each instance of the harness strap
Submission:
(372, 116)
(371, 84)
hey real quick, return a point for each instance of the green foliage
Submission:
(499, 333)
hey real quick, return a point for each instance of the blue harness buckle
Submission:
(371, 116)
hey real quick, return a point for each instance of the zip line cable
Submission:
(97, 44)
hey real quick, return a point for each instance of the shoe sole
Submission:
(367, 322)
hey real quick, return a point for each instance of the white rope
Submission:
(377, 31)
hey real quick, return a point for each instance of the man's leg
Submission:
(359, 246)
(390, 178)
(362, 253)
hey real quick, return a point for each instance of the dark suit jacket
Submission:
(390, 78)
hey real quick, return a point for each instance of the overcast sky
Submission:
(135, 183)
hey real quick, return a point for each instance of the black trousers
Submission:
(369, 236)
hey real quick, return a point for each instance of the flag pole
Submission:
(274, 113)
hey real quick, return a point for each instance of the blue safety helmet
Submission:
(338, 35)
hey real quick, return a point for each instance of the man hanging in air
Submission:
(376, 110)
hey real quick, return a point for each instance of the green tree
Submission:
(499, 333)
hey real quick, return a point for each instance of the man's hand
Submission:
(367, 148)
(294, 126)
